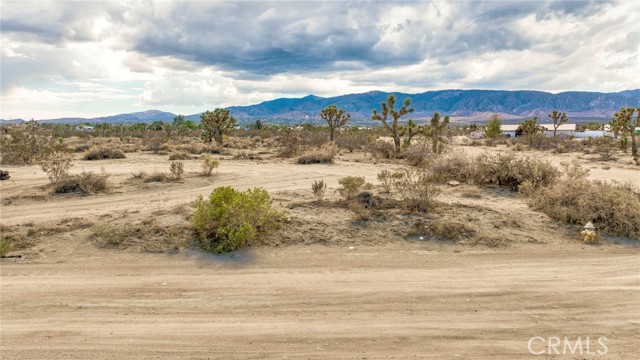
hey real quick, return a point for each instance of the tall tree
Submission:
(388, 108)
(438, 127)
(216, 124)
(335, 118)
(558, 119)
(624, 119)
(493, 129)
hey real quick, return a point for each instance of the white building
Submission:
(563, 130)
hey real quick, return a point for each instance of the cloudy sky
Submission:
(88, 58)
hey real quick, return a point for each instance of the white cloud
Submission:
(189, 56)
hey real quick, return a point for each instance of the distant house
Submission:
(509, 130)
(84, 127)
(563, 130)
(636, 130)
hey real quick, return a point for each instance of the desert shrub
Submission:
(156, 177)
(613, 208)
(606, 152)
(84, 183)
(27, 144)
(352, 141)
(385, 179)
(315, 157)
(140, 175)
(147, 235)
(104, 153)
(230, 219)
(176, 169)
(319, 187)
(451, 166)
(352, 185)
(194, 148)
(5, 245)
(291, 144)
(419, 153)
(179, 156)
(511, 171)
(57, 166)
(156, 141)
(208, 164)
(4, 175)
(416, 190)
(381, 149)
(360, 210)
(450, 230)
(82, 148)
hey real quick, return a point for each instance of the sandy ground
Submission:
(387, 298)
(400, 301)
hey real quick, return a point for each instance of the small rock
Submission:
(352, 247)
(453, 183)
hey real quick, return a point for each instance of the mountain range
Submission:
(462, 105)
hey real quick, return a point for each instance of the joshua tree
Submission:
(388, 109)
(215, 124)
(530, 128)
(409, 131)
(437, 129)
(558, 119)
(624, 119)
(336, 118)
(493, 128)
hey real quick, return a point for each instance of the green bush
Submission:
(351, 186)
(5, 246)
(230, 219)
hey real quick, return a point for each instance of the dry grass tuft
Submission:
(104, 153)
(84, 183)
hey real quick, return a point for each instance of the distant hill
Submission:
(461, 105)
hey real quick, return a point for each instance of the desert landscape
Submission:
(229, 179)
(119, 273)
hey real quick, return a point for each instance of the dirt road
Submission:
(405, 300)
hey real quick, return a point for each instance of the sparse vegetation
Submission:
(208, 164)
(319, 187)
(84, 183)
(216, 124)
(229, 219)
(57, 166)
(324, 155)
(180, 156)
(613, 208)
(4, 175)
(352, 185)
(385, 178)
(177, 170)
(361, 211)
(416, 190)
(5, 245)
(28, 144)
(104, 153)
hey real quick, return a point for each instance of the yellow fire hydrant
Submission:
(589, 233)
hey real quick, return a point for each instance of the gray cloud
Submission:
(245, 49)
